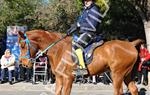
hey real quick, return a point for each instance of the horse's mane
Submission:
(50, 35)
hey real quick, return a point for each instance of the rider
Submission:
(86, 27)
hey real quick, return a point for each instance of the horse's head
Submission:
(28, 49)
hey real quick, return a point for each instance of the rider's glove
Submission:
(74, 27)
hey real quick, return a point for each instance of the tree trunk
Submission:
(147, 25)
(147, 32)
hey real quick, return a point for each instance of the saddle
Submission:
(88, 51)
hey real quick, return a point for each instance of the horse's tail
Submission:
(137, 42)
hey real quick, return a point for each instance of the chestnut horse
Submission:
(117, 56)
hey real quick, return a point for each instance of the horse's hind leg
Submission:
(117, 83)
(131, 85)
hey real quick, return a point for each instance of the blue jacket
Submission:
(90, 19)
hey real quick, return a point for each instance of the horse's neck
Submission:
(46, 39)
(51, 38)
(56, 52)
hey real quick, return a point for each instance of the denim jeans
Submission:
(16, 74)
(3, 72)
(25, 73)
(144, 72)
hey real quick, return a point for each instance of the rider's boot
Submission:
(83, 68)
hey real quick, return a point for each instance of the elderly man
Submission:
(7, 62)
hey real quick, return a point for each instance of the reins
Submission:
(50, 46)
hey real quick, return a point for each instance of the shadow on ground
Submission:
(142, 91)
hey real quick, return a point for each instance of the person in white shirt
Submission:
(7, 62)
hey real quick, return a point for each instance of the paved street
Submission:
(78, 89)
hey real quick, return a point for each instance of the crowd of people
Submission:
(12, 71)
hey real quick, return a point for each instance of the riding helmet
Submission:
(85, 0)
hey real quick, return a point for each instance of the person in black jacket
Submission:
(85, 30)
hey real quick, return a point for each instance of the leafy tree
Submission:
(143, 8)
(56, 15)
(122, 21)
(11, 11)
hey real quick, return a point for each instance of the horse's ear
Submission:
(21, 34)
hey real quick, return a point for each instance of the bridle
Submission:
(29, 46)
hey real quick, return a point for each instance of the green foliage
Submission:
(79, 5)
(122, 21)
(13, 10)
(102, 4)
(56, 16)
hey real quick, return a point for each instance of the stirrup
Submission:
(80, 72)
(84, 71)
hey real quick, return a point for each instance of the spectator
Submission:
(143, 66)
(25, 73)
(7, 63)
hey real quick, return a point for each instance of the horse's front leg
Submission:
(59, 85)
(67, 85)
(121, 90)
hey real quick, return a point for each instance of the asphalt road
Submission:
(78, 89)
